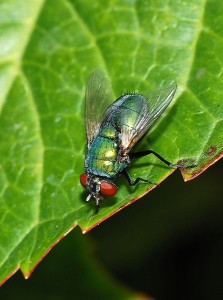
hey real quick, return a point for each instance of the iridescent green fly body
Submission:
(112, 132)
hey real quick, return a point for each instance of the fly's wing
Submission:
(156, 103)
(133, 114)
(98, 96)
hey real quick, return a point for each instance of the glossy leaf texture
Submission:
(47, 53)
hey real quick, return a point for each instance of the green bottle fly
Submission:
(113, 131)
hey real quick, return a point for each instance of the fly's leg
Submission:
(134, 182)
(97, 206)
(149, 151)
(97, 202)
(97, 209)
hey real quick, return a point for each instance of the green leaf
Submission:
(80, 276)
(47, 52)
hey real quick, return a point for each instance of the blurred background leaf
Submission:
(48, 50)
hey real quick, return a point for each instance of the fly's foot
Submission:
(151, 182)
(145, 180)
(135, 181)
(182, 164)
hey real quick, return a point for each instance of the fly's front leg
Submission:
(149, 151)
(97, 208)
(134, 182)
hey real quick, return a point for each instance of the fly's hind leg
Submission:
(134, 181)
(149, 151)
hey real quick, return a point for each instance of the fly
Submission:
(113, 131)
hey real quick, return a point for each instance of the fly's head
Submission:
(98, 188)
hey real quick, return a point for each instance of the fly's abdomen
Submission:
(126, 112)
(102, 157)
(128, 115)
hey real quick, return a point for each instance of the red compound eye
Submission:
(83, 179)
(108, 189)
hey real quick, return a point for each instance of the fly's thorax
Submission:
(103, 154)
(108, 131)
(124, 157)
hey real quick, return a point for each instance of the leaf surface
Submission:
(47, 53)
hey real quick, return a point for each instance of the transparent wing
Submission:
(97, 98)
(156, 103)
(133, 114)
